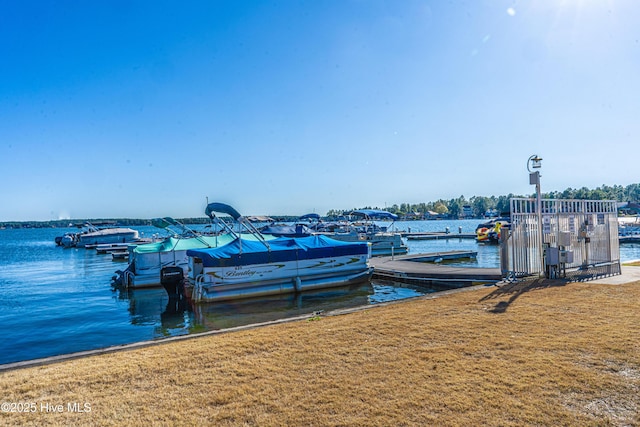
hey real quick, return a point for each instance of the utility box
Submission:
(566, 257)
(534, 178)
(552, 256)
(564, 238)
(555, 256)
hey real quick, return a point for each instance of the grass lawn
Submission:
(533, 353)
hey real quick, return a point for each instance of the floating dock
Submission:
(635, 238)
(107, 248)
(438, 257)
(426, 270)
(120, 255)
(435, 235)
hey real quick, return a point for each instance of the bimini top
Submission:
(374, 214)
(248, 252)
(310, 216)
(221, 208)
(183, 244)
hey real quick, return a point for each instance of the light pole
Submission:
(535, 162)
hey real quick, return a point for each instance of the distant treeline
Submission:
(475, 206)
(119, 222)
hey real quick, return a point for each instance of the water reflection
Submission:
(223, 315)
(391, 291)
(173, 316)
(177, 316)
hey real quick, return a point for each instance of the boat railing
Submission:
(368, 216)
(243, 222)
(198, 287)
(127, 278)
(167, 223)
(253, 230)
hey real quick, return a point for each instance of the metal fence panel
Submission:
(581, 234)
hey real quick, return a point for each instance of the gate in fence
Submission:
(573, 239)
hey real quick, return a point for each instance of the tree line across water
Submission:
(476, 206)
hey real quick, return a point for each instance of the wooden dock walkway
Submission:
(437, 256)
(412, 269)
(107, 248)
(435, 235)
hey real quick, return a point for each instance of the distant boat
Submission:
(251, 268)
(384, 241)
(489, 232)
(107, 235)
(285, 230)
(359, 228)
(629, 229)
(92, 235)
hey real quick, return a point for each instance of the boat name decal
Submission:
(240, 273)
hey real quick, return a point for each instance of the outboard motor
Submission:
(172, 279)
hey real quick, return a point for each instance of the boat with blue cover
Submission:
(147, 261)
(384, 240)
(361, 227)
(250, 268)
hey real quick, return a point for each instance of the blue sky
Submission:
(112, 109)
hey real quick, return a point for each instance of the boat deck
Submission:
(416, 269)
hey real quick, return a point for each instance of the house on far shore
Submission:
(491, 213)
(432, 215)
(413, 216)
(428, 215)
(467, 212)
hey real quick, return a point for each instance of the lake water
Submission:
(56, 301)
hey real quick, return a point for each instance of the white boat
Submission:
(107, 235)
(384, 241)
(629, 229)
(147, 261)
(92, 235)
(251, 268)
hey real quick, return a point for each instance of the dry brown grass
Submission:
(538, 353)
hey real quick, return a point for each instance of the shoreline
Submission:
(629, 275)
(538, 352)
(142, 344)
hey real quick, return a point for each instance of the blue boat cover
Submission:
(247, 252)
(298, 230)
